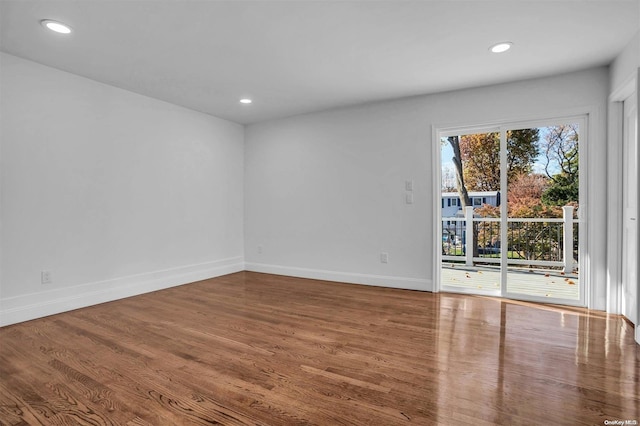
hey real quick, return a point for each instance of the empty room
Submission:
(319, 212)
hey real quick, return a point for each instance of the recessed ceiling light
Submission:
(501, 47)
(245, 101)
(56, 26)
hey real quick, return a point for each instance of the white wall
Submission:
(625, 65)
(324, 192)
(114, 193)
(118, 194)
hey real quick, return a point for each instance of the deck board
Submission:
(531, 282)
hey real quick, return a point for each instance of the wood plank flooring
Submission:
(258, 349)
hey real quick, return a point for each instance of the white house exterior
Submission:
(455, 231)
(452, 207)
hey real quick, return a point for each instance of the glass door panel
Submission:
(542, 177)
(470, 207)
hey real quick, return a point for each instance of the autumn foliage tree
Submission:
(476, 159)
(524, 199)
(481, 157)
(481, 161)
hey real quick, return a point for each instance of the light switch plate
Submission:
(409, 198)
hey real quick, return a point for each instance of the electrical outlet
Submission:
(46, 277)
(384, 257)
(259, 249)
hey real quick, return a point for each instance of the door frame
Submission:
(615, 226)
(628, 268)
(582, 118)
(614, 185)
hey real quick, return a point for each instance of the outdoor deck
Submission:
(533, 282)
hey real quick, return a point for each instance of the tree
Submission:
(477, 162)
(560, 148)
(481, 157)
(454, 141)
(530, 195)
(522, 151)
(448, 180)
(527, 240)
(465, 201)
(524, 197)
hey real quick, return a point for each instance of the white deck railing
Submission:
(531, 241)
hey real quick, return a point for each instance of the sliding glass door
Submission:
(510, 208)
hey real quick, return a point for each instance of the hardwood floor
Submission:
(257, 349)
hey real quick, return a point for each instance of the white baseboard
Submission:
(38, 305)
(346, 277)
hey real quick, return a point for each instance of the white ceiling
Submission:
(294, 57)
